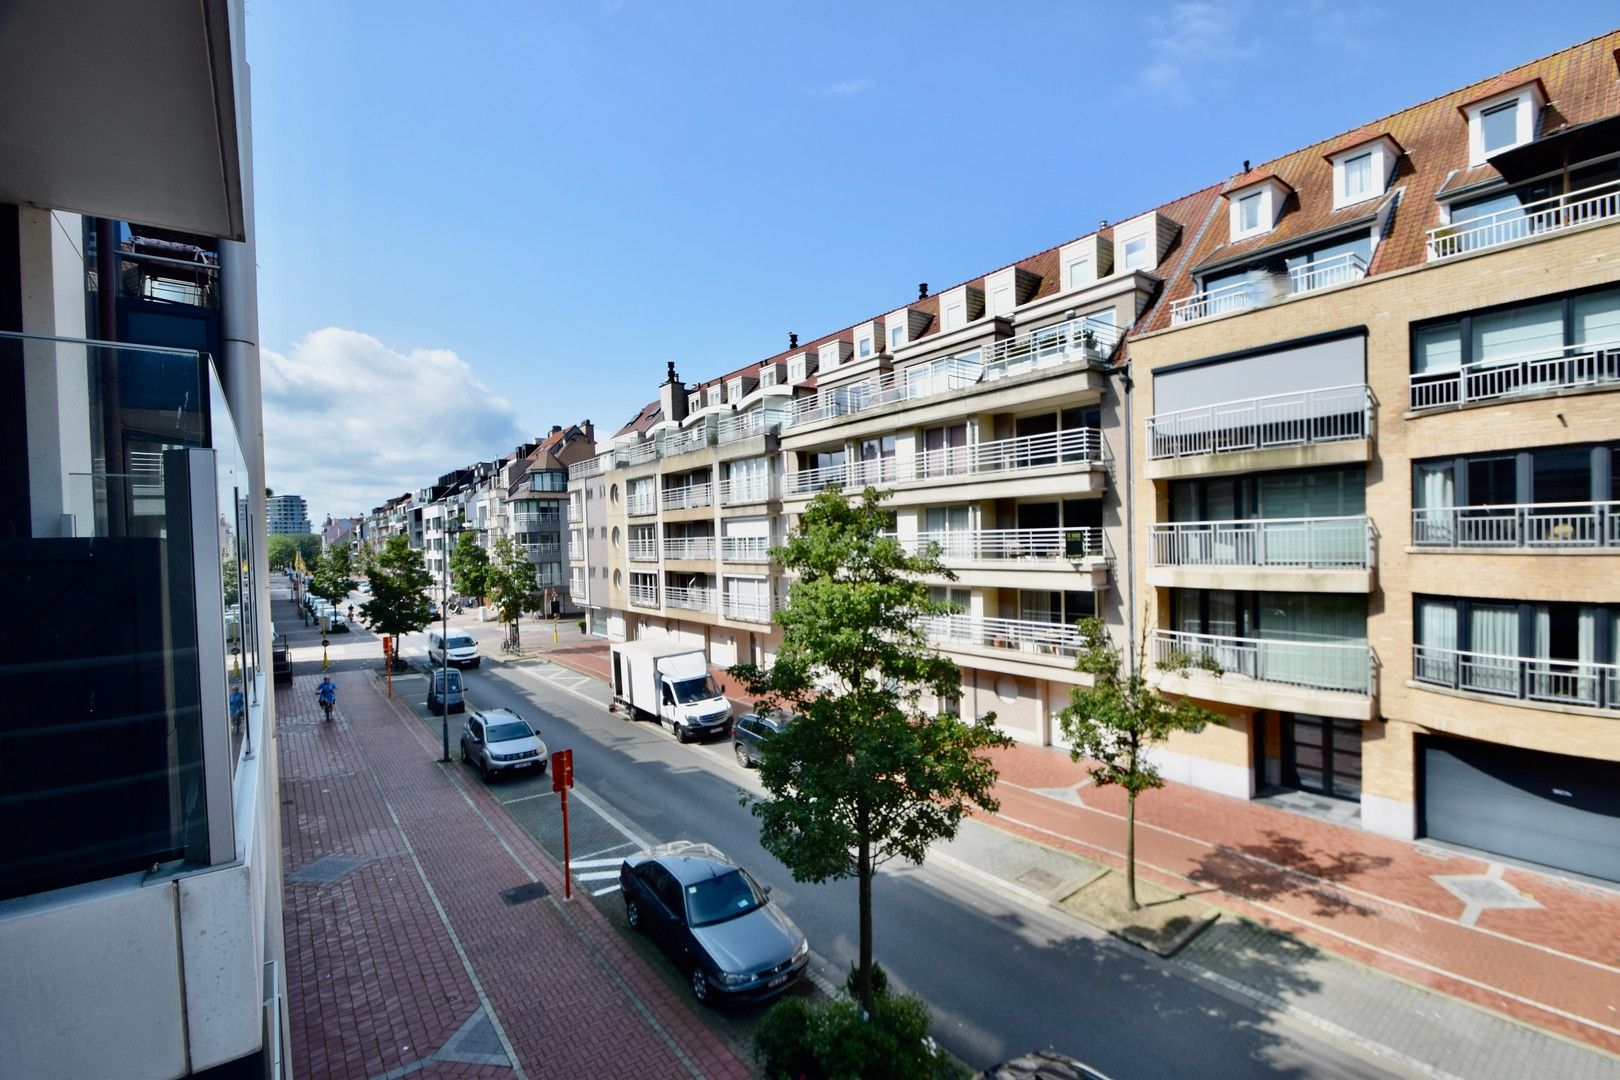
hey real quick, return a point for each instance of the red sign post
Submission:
(388, 661)
(562, 778)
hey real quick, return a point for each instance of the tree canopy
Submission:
(513, 584)
(332, 575)
(399, 601)
(867, 773)
(279, 549)
(470, 568)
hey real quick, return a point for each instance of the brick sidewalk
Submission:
(403, 955)
(1362, 896)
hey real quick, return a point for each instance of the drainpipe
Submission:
(1128, 501)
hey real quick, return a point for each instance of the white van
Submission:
(461, 648)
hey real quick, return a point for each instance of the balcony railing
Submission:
(1334, 270)
(689, 599)
(756, 609)
(1059, 545)
(576, 514)
(688, 497)
(1598, 203)
(1073, 446)
(1529, 525)
(694, 438)
(1531, 374)
(643, 595)
(1336, 543)
(1013, 635)
(642, 502)
(1079, 340)
(1345, 666)
(749, 489)
(747, 425)
(689, 547)
(595, 466)
(1561, 682)
(1302, 418)
(810, 481)
(1239, 296)
(644, 550)
(638, 453)
(745, 548)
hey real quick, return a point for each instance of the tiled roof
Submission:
(1581, 85)
(1361, 137)
(1511, 80)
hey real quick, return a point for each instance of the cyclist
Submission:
(327, 694)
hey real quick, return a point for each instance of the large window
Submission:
(1557, 652)
(1358, 176)
(1499, 126)
(549, 480)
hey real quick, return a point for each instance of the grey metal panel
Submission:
(1340, 362)
(1550, 809)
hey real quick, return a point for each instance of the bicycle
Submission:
(511, 647)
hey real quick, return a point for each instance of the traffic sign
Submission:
(562, 769)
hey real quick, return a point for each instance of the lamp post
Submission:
(444, 635)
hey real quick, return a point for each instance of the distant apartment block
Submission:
(287, 515)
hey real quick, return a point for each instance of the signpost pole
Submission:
(562, 778)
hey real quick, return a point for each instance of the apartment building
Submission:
(140, 872)
(1377, 482)
(287, 515)
(1355, 448)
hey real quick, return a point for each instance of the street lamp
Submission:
(444, 635)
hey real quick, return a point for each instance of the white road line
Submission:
(602, 812)
(586, 864)
(604, 851)
(598, 875)
(526, 798)
(604, 892)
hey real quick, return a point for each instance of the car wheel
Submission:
(632, 914)
(681, 734)
(700, 984)
(483, 770)
(742, 755)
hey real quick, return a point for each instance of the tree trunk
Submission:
(1130, 852)
(863, 978)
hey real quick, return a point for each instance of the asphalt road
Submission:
(1001, 974)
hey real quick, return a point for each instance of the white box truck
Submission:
(670, 683)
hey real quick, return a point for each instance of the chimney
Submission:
(588, 430)
(922, 290)
(1245, 164)
(672, 396)
(793, 340)
(556, 428)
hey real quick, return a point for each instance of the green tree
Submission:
(1117, 719)
(309, 546)
(513, 584)
(399, 584)
(332, 576)
(470, 567)
(279, 551)
(866, 774)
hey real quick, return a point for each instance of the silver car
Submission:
(499, 740)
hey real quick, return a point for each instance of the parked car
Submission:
(753, 730)
(437, 694)
(1041, 1065)
(499, 740)
(460, 649)
(714, 920)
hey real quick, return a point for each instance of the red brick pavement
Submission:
(376, 981)
(1363, 896)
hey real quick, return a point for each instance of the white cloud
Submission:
(845, 87)
(1191, 50)
(350, 422)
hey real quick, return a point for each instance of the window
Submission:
(734, 389)
(1001, 301)
(897, 336)
(714, 395)
(1136, 253)
(954, 316)
(1499, 126)
(549, 480)
(1248, 213)
(1358, 177)
(1078, 272)
(796, 369)
(767, 375)
(863, 347)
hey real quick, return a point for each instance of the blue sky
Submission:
(478, 220)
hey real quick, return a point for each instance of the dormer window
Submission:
(1362, 167)
(1249, 213)
(796, 372)
(1502, 121)
(714, 394)
(1357, 183)
(734, 389)
(694, 402)
(767, 375)
(1499, 127)
(1136, 253)
(953, 316)
(863, 346)
(1077, 273)
(897, 337)
(1255, 206)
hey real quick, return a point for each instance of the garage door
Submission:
(1550, 809)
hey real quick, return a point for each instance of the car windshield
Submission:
(688, 691)
(720, 898)
(460, 641)
(509, 730)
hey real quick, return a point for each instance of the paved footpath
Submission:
(426, 934)
(1535, 947)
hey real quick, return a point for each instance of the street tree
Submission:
(470, 567)
(1114, 722)
(513, 584)
(867, 774)
(399, 583)
(280, 549)
(332, 576)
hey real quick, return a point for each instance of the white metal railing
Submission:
(146, 472)
(689, 599)
(748, 424)
(810, 481)
(1078, 340)
(944, 375)
(642, 502)
(638, 453)
(1334, 270)
(575, 514)
(1315, 543)
(689, 547)
(595, 466)
(1060, 545)
(644, 549)
(745, 548)
(1584, 524)
(1015, 635)
(747, 490)
(643, 594)
(694, 438)
(845, 399)
(1072, 446)
(1301, 418)
(1529, 374)
(1597, 203)
(748, 608)
(1528, 678)
(1345, 666)
(1239, 296)
(688, 496)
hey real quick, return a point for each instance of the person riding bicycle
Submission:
(327, 694)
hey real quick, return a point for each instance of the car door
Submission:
(660, 888)
(474, 749)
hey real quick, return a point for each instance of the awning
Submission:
(1576, 143)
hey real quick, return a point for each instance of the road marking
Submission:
(602, 812)
(526, 798)
(604, 892)
(597, 875)
(604, 851)
(586, 864)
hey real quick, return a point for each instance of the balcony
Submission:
(684, 442)
(1046, 545)
(688, 497)
(1029, 453)
(1584, 207)
(689, 599)
(1325, 273)
(1007, 635)
(1287, 554)
(1532, 374)
(1304, 418)
(1531, 525)
(639, 503)
(689, 547)
(748, 424)
(637, 454)
(744, 608)
(1083, 340)
(1239, 296)
(643, 594)
(751, 489)
(756, 549)
(1522, 678)
(595, 466)
(576, 514)
(643, 550)
(1329, 678)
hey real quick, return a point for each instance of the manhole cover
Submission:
(1039, 879)
(1486, 892)
(523, 894)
